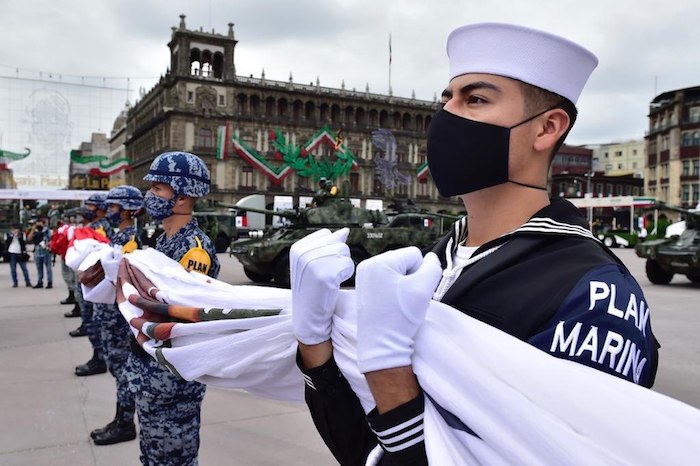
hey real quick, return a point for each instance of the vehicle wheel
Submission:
(609, 241)
(656, 274)
(222, 243)
(281, 275)
(694, 278)
(257, 277)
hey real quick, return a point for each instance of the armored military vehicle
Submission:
(266, 258)
(676, 254)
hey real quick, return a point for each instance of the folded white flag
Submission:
(525, 406)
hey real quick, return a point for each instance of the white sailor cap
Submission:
(534, 57)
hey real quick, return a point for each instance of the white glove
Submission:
(394, 290)
(318, 264)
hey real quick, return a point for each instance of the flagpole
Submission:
(390, 92)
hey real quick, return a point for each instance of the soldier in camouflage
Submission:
(94, 212)
(124, 204)
(169, 408)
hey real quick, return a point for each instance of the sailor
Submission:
(124, 203)
(94, 212)
(527, 264)
(169, 407)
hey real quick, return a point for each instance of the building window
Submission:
(628, 190)
(695, 167)
(618, 153)
(599, 188)
(205, 138)
(190, 97)
(696, 193)
(696, 138)
(687, 139)
(635, 191)
(609, 190)
(619, 166)
(686, 168)
(423, 187)
(354, 182)
(222, 100)
(247, 177)
(618, 189)
(685, 197)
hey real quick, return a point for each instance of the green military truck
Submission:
(266, 258)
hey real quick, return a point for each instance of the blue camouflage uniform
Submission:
(115, 332)
(168, 406)
(86, 307)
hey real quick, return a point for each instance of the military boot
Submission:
(75, 312)
(70, 299)
(95, 365)
(78, 332)
(122, 429)
(101, 430)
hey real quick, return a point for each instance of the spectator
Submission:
(17, 249)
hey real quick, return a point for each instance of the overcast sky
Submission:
(645, 47)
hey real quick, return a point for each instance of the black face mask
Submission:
(466, 155)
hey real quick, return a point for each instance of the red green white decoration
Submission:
(290, 158)
(97, 165)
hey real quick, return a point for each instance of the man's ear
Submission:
(554, 125)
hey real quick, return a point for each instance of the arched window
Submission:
(427, 123)
(360, 117)
(242, 103)
(396, 120)
(297, 110)
(310, 111)
(419, 123)
(282, 107)
(383, 119)
(325, 113)
(335, 114)
(406, 123)
(206, 64)
(349, 116)
(195, 62)
(373, 118)
(270, 107)
(254, 105)
(218, 65)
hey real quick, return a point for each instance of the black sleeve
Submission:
(337, 413)
(400, 433)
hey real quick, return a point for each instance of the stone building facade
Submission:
(277, 137)
(673, 148)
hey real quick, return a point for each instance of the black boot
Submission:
(78, 332)
(70, 299)
(122, 429)
(102, 430)
(75, 312)
(95, 365)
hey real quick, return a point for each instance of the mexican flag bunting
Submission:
(222, 142)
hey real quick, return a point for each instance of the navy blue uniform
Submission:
(549, 283)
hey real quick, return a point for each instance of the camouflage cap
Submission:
(128, 197)
(98, 200)
(184, 172)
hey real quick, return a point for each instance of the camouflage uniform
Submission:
(86, 307)
(115, 332)
(168, 406)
